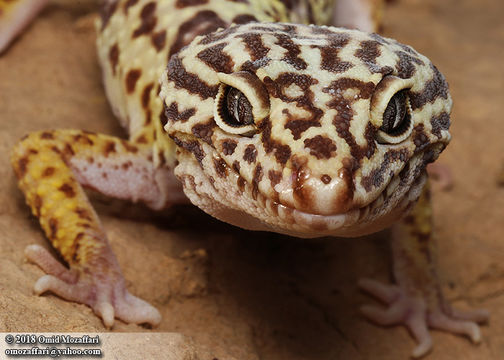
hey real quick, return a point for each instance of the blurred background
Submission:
(243, 295)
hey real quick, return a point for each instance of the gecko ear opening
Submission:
(242, 101)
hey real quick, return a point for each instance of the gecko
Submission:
(266, 116)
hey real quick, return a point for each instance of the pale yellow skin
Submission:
(340, 174)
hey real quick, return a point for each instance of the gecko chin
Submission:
(304, 130)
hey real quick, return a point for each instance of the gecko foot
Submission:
(416, 314)
(105, 293)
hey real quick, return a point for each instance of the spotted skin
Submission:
(314, 161)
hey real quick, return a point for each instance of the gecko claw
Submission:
(417, 315)
(105, 310)
(105, 294)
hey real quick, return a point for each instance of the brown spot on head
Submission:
(172, 113)
(250, 154)
(241, 183)
(256, 179)
(406, 65)
(368, 52)
(440, 122)
(298, 127)
(293, 51)
(193, 147)
(330, 60)
(281, 152)
(321, 147)
(326, 179)
(221, 167)
(191, 82)
(420, 139)
(376, 177)
(131, 80)
(217, 59)
(275, 177)
(345, 114)
(204, 131)
(236, 166)
(228, 147)
(278, 88)
(254, 45)
(433, 89)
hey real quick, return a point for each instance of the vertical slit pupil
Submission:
(395, 114)
(238, 108)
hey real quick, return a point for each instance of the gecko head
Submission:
(304, 130)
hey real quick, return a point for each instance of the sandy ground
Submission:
(243, 295)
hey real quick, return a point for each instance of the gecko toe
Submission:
(443, 322)
(105, 310)
(43, 259)
(72, 292)
(479, 316)
(137, 311)
(386, 293)
(418, 327)
(392, 315)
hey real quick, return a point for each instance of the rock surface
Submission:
(243, 295)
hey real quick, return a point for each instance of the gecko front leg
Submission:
(51, 167)
(417, 300)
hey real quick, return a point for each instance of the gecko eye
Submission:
(391, 110)
(235, 109)
(396, 117)
(242, 102)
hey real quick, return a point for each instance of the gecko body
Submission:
(262, 121)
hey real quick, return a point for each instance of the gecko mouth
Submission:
(400, 194)
(387, 208)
